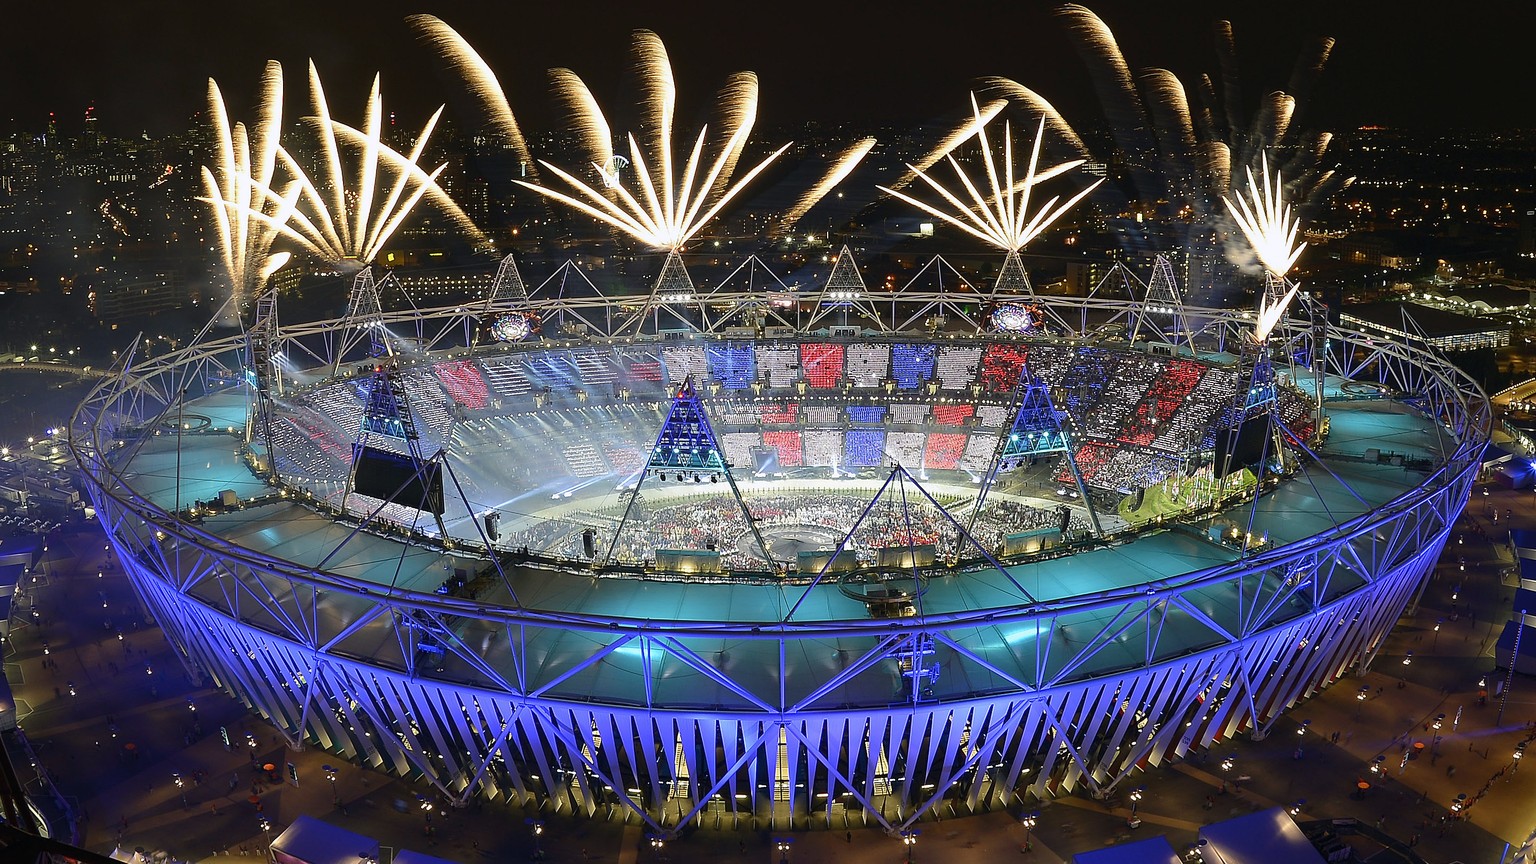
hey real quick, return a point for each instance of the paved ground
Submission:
(120, 743)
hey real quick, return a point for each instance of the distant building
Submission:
(1489, 299)
(1446, 331)
(137, 296)
(1377, 249)
(17, 282)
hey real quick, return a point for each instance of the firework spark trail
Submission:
(1275, 119)
(585, 117)
(1265, 219)
(658, 89)
(1216, 164)
(737, 112)
(961, 134)
(841, 167)
(669, 211)
(1057, 124)
(1001, 219)
(236, 186)
(1170, 111)
(478, 75)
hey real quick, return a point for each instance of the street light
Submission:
(909, 839)
(657, 845)
(1362, 694)
(1460, 803)
(782, 844)
(1519, 754)
(266, 827)
(1029, 825)
(1226, 764)
(538, 832)
(1439, 721)
(1376, 763)
(1302, 729)
(330, 774)
(1136, 800)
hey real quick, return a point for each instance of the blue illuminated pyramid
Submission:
(686, 443)
(386, 410)
(1036, 429)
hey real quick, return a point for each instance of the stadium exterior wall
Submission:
(957, 756)
(799, 758)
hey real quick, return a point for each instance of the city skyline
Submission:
(147, 70)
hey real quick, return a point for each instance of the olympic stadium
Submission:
(789, 562)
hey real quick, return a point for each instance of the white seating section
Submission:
(778, 365)
(868, 365)
(905, 449)
(957, 366)
(823, 447)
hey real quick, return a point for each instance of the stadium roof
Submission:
(1153, 850)
(1433, 323)
(1260, 838)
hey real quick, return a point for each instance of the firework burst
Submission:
(1183, 145)
(1265, 219)
(1002, 218)
(237, 187)
(349, 222)
(667, 209)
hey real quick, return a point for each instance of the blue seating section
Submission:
(864, 448)
(734, 366)
(866, 413)
(911, 365)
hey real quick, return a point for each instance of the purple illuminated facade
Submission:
(676, 676)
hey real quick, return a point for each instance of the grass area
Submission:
(1161, 501)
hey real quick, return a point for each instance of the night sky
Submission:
(144, 65)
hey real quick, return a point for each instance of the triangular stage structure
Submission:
(387, 460)
(507, 296)
(673, 293)
(364, 320)
(1162, 315)
(1012, 279)
(388, 446)
(1013, 285)
(845, 292)
(1036, 432)
(686, 451)
(507, 289)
